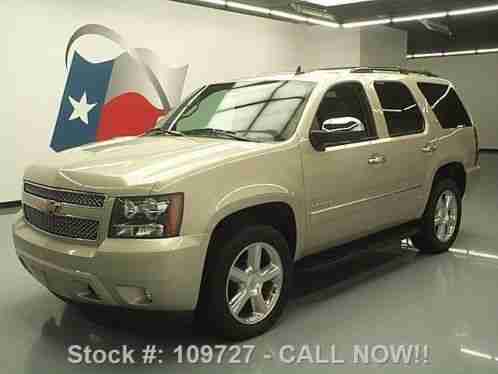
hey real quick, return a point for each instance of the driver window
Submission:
(344, 114)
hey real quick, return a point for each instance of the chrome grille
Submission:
(70, 227)
(70, 197)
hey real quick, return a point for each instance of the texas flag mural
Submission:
(119, 97)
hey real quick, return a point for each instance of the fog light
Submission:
(135, 295)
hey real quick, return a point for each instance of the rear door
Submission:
(407, 137)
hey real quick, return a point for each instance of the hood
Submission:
(133, 165)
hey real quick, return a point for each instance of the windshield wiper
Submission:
(217, 133)
(162, 131)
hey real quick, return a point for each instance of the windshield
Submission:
(255, 111)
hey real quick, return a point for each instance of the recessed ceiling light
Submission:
(420, 17)
(483, 9)
(488, 50)
(424, 55)
(214, 2)
(367, 23)
(247, 7)
(453, 53)
(323, 23)
(458, 53)
(292, 16)
(336, 2)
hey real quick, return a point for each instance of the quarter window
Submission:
(402, 114)
(446, 105)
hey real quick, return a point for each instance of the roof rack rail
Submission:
(373, 69)
(394, 69)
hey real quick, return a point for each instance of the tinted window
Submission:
(446, 104)
(402, 114)
(345, 113)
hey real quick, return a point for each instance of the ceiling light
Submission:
(336, 2)
(453, 53)
(489, 50)
(482, 9)
(322, 23)
(214, 2)
(295, 17)
(420, 17)
(368, 23)
(247, 7)
(422, 55)
(458, 53)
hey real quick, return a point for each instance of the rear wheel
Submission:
(442, 218)
(248, 283)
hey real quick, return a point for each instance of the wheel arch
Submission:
(452, 170)
(277, 213)
(248, 212)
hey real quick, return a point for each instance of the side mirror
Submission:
(343, 124)
(336, 131)
(319, 139)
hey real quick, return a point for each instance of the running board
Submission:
(355, 248)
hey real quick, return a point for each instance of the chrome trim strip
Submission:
(56, 189)
(367, 199)
(68, 210)
(63, 189)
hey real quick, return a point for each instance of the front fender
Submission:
(253, 195)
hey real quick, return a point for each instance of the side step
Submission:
(350, 250)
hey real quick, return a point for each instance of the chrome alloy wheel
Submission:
(254, 283)
(446, 216)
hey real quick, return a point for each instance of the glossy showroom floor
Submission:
(392, 296)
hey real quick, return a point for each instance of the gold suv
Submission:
(210, 210)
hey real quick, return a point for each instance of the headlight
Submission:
(151, 217)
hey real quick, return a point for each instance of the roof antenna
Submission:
(299, 70)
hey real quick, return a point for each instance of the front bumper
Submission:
(118, 272)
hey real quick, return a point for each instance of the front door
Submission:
(346, 182)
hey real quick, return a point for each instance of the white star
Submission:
(81, 108)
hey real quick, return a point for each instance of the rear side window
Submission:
(403, 116)
(446, 104)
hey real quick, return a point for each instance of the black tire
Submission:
(213, 310)
(426, 240)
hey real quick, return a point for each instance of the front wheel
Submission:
(248, 283)
(441, 220)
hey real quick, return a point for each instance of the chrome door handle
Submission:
(376, 159)
(429, 148)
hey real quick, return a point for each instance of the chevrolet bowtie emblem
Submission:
(53, 208)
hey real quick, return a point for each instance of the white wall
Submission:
(218, 46)
(475, 78)
(383, 46)
(320, 47)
